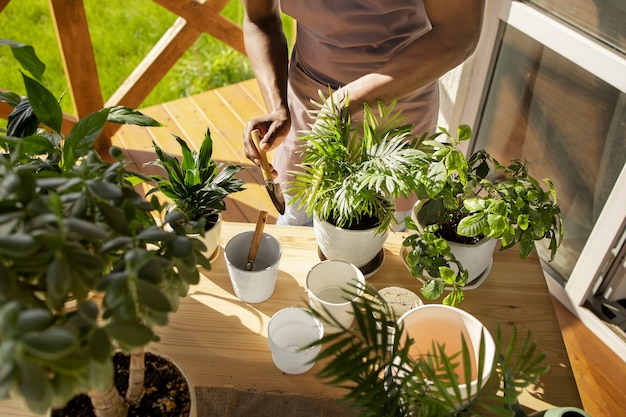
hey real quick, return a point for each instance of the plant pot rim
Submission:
(356, 231)
(489, 341)
(481, 242)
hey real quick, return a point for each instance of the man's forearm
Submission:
(266, 47)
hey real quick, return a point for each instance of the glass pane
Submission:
(569, 125)
(604, 20)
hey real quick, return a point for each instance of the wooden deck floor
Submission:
(600, 374)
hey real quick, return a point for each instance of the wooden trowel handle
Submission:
(265, 166)
(256, 238)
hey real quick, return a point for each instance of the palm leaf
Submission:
(381, 379)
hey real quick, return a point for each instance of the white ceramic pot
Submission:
(327, 285)
(256, 285)
(561, 412)
(476, 258)
(357, 247)
(211, 239)
(447, 325)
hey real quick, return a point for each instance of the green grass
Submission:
(122, 33)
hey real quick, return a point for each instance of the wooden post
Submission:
(70, 23)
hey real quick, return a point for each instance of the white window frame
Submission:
(604, 63)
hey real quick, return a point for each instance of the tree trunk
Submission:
(136, 376)
(108, 403)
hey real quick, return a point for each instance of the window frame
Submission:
(604, 63)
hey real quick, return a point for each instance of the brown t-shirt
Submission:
(338, 41)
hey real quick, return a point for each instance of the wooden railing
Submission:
(194, 18)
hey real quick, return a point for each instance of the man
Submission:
(365, 50)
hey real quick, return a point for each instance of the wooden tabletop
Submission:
(221, 341)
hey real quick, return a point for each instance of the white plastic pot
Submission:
(446, 325)
(357, 247)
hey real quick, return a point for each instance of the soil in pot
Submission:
(211, 221)
(365, 223)
(167, 392)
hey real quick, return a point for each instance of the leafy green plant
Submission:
(469, 199)
(432, 254)
(85, 263)
(353, 171)
(196, 184)
(382, 379)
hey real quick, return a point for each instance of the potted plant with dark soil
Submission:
(469, 203)
(351, 174)
(383, 376)
(197, 185)
(87, 268)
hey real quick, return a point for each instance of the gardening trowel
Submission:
(273, 189)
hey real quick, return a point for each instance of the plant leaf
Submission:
(100, 346)
(82, 137)
(130, 333)
(150, 296)
(33, 385)
(28, 59)
(22, 121)
(50, 344)
(44, 104)
(127, 115)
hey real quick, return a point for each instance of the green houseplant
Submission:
(353, 171)
(197, 185)
(468, 200)
(86, 266)
(381, 378)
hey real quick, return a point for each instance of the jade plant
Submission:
(87, 268)
(467, 199)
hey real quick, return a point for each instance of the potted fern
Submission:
(382, 376)
(87, 268)
(351, 174)
(471, 203)
(197, 185)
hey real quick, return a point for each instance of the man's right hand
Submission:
(273, 129)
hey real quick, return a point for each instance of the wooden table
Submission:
(221, 341)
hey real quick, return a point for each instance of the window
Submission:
(555, 93)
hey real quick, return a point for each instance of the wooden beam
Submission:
(172, 45)
(206, 17)
(3, 4)
(70, 23)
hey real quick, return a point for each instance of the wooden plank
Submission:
(161, 58)
(3, 4)
(190, 120)
(206, 17)
(70, 23)
(600, 373)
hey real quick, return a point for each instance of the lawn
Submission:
(122, 33)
